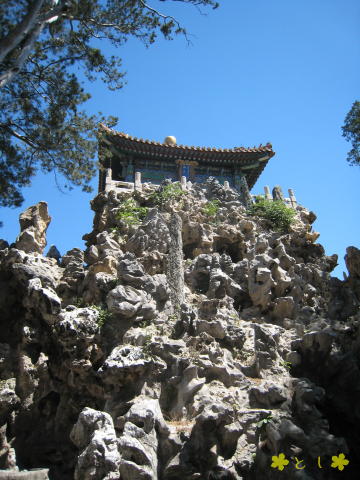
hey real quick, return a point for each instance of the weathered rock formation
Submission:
(185, 346)
(33, 224)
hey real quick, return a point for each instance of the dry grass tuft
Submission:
(182, 425)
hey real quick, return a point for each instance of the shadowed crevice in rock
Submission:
(233, 250)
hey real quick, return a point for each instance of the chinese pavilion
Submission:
(126, 161)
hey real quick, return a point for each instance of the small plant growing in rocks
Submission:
(113, 283)
(147, 346)
(264, 421)
(79, 302)
(168, 193)
(103, 315)
(172, 317)
(194, 354)
(144, 323)
(286, 364)
(279, 215)
(130, 213)
(236, 353)
(211, 209)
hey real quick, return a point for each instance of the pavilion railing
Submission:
(119, 185)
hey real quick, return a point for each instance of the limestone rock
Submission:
(184, 347)
(77, 324)
(129, 302)
(103, 257)
(126, 364)
(3, 244)
(45, 300)
(268, 395)
(352, 261)
(53, 252)
(186, 386)
(131, 272)
(154, 234)
(73, 275)
(25, 267)
(77, 335)
(143, 435)
(261, 281)
(35, 474)
(94, 435)
(8, 398)
(284, 307)
(33, 225)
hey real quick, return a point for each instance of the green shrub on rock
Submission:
(211, 208)
(279, 215)
(169, 192)
(103, 314)
(130, 213)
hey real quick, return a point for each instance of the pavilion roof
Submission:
(251, 161)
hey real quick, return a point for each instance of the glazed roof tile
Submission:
(251, 161)
(121, 135)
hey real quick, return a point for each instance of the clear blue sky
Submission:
(257, 71)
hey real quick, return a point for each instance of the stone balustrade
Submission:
(277, 194)
(185, 184)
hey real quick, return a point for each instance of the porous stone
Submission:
(183, 347)
(94, 435)
(33, 225)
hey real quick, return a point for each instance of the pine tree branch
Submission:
(20, 137)
(160, 15)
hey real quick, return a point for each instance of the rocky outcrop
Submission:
(33, 225)
(94, 435)
(185, 345)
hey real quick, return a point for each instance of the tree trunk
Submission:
(22, 29)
